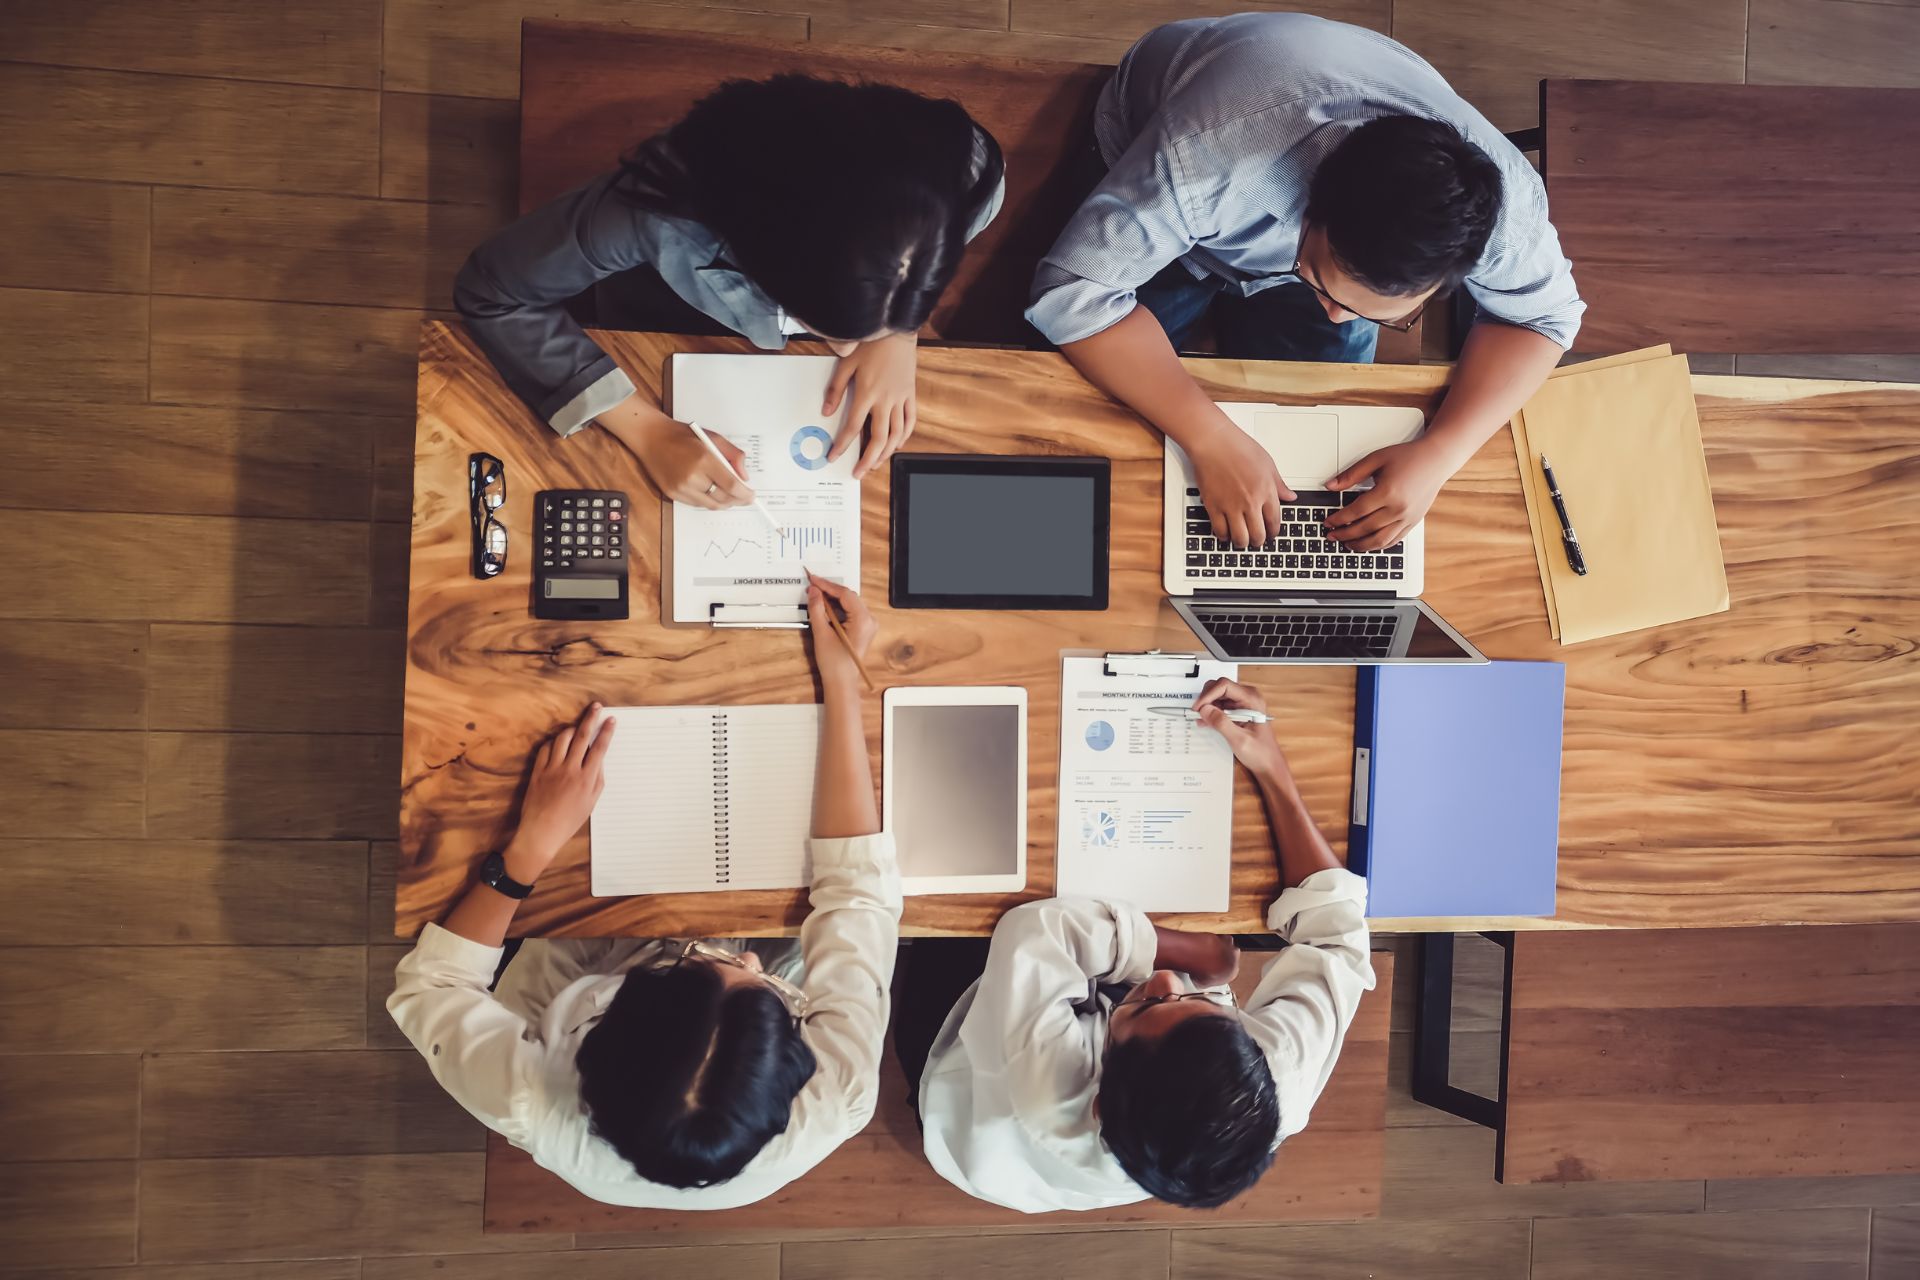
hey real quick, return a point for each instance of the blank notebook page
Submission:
(706, 799)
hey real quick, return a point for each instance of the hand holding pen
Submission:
(1253, 743)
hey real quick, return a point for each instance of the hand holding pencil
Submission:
(837, 645)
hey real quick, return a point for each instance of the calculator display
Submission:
(582, 588)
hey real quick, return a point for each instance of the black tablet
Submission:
(978, 532)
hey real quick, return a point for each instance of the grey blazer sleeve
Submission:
(513, 289)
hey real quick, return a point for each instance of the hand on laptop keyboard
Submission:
(1298, 549)
(1243, 488)
(1406, 479)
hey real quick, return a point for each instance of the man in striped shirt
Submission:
(1305, 181)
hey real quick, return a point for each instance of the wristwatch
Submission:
(493, 874)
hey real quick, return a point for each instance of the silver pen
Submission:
(1239, 715)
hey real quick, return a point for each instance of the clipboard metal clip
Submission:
(757, 615)
(1175, 666)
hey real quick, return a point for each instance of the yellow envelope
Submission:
(1537, 519)
(1624, 438)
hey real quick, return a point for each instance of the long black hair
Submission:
(848, 204)
(687, 1077)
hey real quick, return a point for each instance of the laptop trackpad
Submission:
(1305, 445)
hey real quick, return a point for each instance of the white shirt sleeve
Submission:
(1306, 999)
(477, 1048)
(1043, 958)
(849, 941)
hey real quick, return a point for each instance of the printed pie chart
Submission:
(809, 447)
(1099, 735)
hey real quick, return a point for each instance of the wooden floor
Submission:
(220, 223)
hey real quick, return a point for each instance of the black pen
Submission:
(1575, 560)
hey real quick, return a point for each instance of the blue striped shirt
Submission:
(1212, 129)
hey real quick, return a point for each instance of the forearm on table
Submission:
(1500, 368)
(1182, 950)
(637, 412)
(1133, 362)
(1300, 848)
(843, 801)
(484, 914)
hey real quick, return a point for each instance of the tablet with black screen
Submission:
(978, 532)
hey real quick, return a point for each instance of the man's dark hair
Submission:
(687, 1077)
(849, 204)
(1406, 204)
(1191, 1115)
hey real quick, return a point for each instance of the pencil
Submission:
(833, 619)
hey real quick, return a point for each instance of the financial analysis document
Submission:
(768, 406)
(1146, 800)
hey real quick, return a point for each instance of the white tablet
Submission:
(955, 786)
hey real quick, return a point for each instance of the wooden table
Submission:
(1738, 218)
(1757, 767)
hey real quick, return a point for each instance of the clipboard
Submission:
(1145, 801)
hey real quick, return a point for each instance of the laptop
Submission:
(1300, 598)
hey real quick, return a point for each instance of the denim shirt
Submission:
(513, 290)
(1212, 129)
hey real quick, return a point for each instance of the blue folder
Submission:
(1456, 795)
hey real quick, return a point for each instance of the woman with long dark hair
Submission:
(788, 206)
(674, 1073)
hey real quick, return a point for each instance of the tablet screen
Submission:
(999, 533)
(955, 791)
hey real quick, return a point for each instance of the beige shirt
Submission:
(1006, 1100)
(509, 1058)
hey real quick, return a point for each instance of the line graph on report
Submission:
(797, 543)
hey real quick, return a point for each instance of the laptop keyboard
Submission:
(1320, 634)
(1299, 551)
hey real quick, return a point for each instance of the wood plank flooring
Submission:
(220, 223)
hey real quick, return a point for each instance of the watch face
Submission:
(493, 874)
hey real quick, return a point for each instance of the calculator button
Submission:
(547, 539)
(599, 502)
(597, 552)
(614, 541)
(546, 564)
(615, 515)
(566, 539)
(598, 540)
(616, 503)
(566, 526)
(566, 564)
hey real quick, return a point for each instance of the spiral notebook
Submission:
(706, 799)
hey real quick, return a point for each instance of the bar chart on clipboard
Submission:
(733, 560)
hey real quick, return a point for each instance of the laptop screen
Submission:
(1399, 631)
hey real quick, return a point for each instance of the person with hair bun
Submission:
(673, 1073)
(792, 206)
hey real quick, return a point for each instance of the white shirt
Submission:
(1007, 1097)
(509, 1059)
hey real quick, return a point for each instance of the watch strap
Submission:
(493, 874)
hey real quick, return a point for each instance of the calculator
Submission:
(580, 570)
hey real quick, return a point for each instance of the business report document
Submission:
(1146, 800)
(769, 407)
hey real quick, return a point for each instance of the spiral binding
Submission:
(722, 842)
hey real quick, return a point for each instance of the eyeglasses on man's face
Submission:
(1402, 325)
(1136, 1001)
